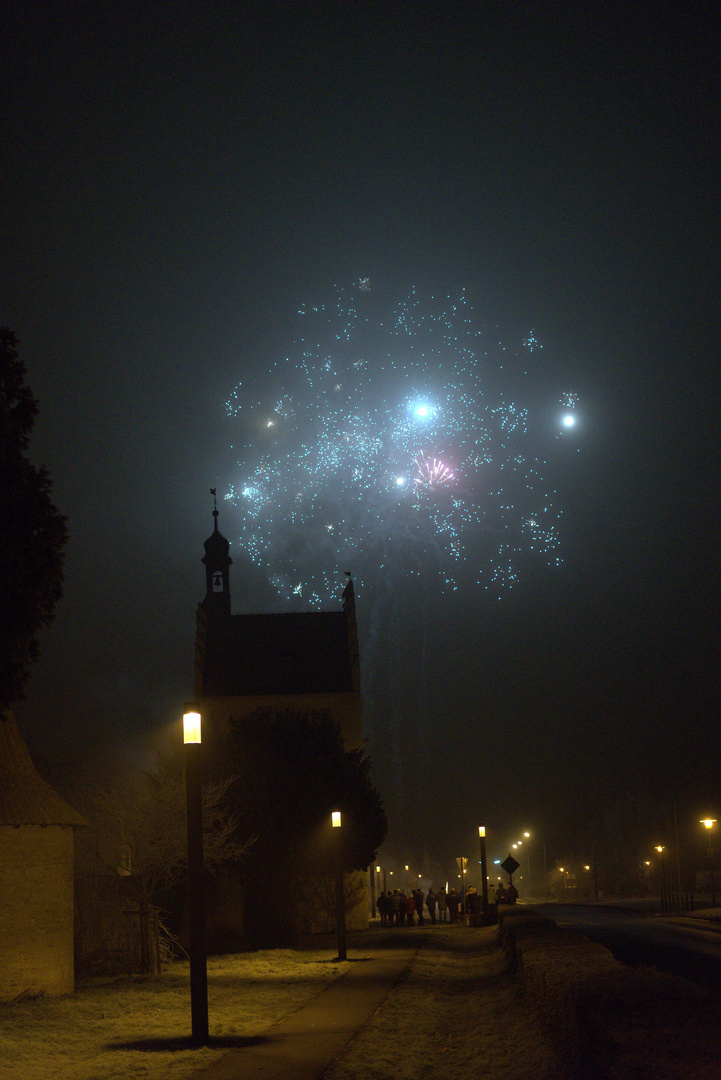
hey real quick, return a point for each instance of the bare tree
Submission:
(139, 837)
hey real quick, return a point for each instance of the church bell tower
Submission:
(217, 562)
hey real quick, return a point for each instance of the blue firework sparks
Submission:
(383, 443)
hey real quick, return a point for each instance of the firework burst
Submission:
(432, 472)
(334, 471)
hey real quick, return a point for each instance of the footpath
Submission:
(604, 1020)
(302, 1046)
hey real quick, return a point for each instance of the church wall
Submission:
(36, 910)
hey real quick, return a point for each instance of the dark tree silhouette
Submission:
(33, 533)
(293, 771)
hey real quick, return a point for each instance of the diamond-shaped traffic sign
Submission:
(510, 865)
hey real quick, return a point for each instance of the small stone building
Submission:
(36, 876)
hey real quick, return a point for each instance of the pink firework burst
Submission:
(432, 472)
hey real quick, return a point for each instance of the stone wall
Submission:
(36, 910)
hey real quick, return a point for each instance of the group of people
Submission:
(506, 895)
(400, 909)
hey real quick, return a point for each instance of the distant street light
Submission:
(339, 897)
(484, 872)
(196, 897)
(372, 875)
(660, 849)
(708, 824)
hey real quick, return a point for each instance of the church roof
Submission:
(25, 798)
(288, 653)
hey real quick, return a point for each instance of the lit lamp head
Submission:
(335, 819)
(481, 830)
(708, 822)
(191, 724)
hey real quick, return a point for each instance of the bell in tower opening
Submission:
(217, 562)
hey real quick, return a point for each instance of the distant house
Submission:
(36, 876)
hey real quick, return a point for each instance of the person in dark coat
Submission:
(442, 905)
(396, 907)
(431, 903)
(453, 902)
(473, 906)
(420, 901)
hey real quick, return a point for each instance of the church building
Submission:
(296, 662)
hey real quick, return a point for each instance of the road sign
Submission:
(462, 864)
(510, 865)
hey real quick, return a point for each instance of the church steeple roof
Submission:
(216, 561)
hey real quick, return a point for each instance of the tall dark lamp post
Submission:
(708, 824)
(528, 849)
(484, 872)
(196, 897)
(339, 896)
(660, 849)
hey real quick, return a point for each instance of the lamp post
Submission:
(528, 849)
(708, 824)
(660, 849)
(372, 875)
(339, 897)
(484, 872)
(196, 898)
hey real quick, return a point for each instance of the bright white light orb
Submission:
(569, 421)
(422, 411)
(400, 481)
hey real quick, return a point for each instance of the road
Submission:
(679, 947)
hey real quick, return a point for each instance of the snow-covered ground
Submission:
(457, 1013)
(457, 1005)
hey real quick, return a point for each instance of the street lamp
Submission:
(528, 883)
(372, 876)
(708, 824)
(660, 849)
(196, 898)
(339, 897)
(484, 872)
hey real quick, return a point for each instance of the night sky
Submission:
(177, 179)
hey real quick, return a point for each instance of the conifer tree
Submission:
(33, 533)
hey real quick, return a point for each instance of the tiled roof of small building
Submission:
(25, 798)
(289, 653)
